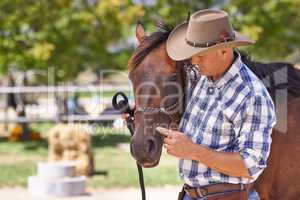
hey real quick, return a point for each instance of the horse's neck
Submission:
(190, 78)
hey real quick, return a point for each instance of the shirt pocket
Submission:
(219, 125)
(217, 132)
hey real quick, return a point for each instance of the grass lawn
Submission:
(114, 166)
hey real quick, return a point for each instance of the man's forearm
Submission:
(230, 164)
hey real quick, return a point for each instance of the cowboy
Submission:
(225, 133)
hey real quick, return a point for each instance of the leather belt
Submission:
(199, 192)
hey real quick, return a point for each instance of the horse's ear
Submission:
(140, 31)
(188, 16)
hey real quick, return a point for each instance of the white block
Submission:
(62, 187)
(53, 170)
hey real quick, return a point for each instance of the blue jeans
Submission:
(252, 196)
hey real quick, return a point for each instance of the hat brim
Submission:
(178, 49)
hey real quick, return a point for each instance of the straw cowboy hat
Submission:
(206, 30)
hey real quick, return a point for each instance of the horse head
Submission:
(158, 84)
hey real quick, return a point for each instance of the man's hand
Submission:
(177, 143)
(126, 116)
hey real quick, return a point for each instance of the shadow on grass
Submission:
(34, 145)
(3, 139)
(26, 145)
(100, 173)
(109, 140)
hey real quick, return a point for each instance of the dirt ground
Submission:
(167, 192)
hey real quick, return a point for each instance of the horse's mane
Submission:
(279, 75)
(282, 75)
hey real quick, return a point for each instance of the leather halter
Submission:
(169, 110)
(123, 106)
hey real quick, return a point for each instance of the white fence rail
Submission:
(66, 88)
(68, 118)
(99, 89)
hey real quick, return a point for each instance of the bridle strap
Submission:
(130, 126)
(123, 106)
(168, 111)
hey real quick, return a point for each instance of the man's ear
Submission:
(140, 31)
(225, 51)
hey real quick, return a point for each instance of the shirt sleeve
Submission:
(254, 139)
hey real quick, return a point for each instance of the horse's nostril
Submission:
(151, 145)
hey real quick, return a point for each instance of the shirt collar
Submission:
(231, 72)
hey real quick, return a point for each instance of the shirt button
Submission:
(210, 90)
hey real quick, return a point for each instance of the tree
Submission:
(275, 25)
(67, 35)
(73, 35)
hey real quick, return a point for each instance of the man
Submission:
(225, 133)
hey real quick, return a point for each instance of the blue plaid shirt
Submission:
(233, 114)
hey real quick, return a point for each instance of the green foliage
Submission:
(275, 25)
(64, 34)
(73, 35)
(176, 11)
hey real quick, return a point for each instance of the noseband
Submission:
(168, 111)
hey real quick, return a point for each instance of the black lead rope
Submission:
(120, 103)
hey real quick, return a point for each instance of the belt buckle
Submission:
(242, 187)
(202, 192)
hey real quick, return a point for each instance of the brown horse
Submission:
(159, 85)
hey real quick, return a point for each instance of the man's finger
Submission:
(170, 152)
(168, 140)
(167, 146)
(163, 131)
(125, 116)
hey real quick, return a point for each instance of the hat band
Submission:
(209, 44)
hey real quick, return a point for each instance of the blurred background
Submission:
(62, 61)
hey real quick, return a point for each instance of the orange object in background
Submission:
(16, 134)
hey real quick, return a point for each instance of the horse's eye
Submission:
(173, 78)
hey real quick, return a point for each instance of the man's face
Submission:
(209, 63)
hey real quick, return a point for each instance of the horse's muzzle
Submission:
(146, 150)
